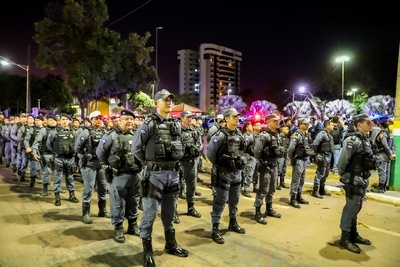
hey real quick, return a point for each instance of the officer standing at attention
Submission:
(385, 151)
(298, 152)
(192, 147)
(43, 154)
(158, 145)
(323, 148)
(61, 142)
(122, 172)
(356, 160)
(85, 147)
(225, 152)
(267, 150)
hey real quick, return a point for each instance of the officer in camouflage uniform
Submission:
(356, 160)
(85, 147)
(298, 152)
(385, 151)
(158, 145)
(323, 148)
(61, 142)
(44, 155)
(267, 150)
(123, 173)
(225, 151)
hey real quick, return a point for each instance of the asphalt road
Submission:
(34, 232)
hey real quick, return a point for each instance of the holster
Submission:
(144, 184)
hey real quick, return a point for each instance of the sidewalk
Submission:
(333, 185)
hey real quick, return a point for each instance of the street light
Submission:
(157, 28)
(354, 90)
(341, 60)
(6, 61)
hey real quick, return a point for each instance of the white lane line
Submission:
(383, 231)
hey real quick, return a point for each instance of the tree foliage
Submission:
(186, 99)
(140, 101)
(96, 61)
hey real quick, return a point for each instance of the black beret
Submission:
(53, 116)
(127, 112)
(40, 117)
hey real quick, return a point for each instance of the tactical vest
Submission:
(363, 159)
(302, 146)
(94, 140)
(229, 153)
(42, 147)
(250, 140)
(123, 159)
(336, 135)
(64, 142)
(165, 144)
(189, 138)
(326, 146)
(273, 147)
(35, 132)
(378, 141)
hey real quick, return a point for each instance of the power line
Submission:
(136, 9)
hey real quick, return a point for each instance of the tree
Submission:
(96, 62)
(186, 99)
(141, 102)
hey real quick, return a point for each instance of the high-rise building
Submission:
(212, 72)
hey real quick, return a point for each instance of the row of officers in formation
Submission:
(147, 163)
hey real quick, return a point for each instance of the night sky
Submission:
(276, 39)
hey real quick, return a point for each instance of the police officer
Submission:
(356, 160)
(18, 134)
(61, 142)
(30, 137)
(267, 150)
(385, 151)
(225, 152)
(283, 161)
(14, 144)
(323, 148)
(85, 147)
(43, 154)
(192, 146)
(122, 172)
(158, 145)
(5, 132)
(298, 152)
(250, 168)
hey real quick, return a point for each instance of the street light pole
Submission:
(354, 90)
(342, 59)
(157, 28)
(6, 61)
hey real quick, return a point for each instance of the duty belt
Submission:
(187, 160)
(361, 174)
(164, 167)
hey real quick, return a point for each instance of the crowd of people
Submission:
(145, 164)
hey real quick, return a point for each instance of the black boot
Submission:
(293, 202)
(379, 189)
(322, 190)
(45, 190)
(271, 213)
(103, 212)
(7, 164)
(171, 247)
(58, 199)
(22, 177)
(347, 244)
(86, 213)
(315, 192)
(33, 180)
(133, 228)
(192, 211)
(278, 186)
(119, 233)
(282, 183)
(301, 200)
(148, 260)
(356, 238)
(14, 168)
(216, 235)
(258, 216)
(234, 226)
(72, 197)
(176, 215)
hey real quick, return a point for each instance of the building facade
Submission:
(212, 72)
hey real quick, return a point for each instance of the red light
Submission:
(257, 117)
